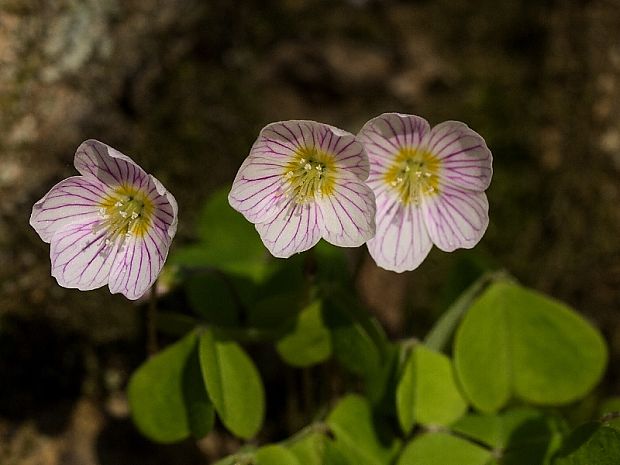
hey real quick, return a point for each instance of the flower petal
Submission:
(99, 160)
(348, 214)
(386, 134)
(166, 208)
(138, 264)
(80, 257)
(466, 160)
(294, 229)
(348, 152)
(456, 218)
(402, 241)
(75, 199)
(285, 137)
(257, 189)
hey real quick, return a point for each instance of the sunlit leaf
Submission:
(233, 383)
(359, 434)
(520, 436)
(317, 449)
(514, 341)
(443, 449)
(275, 455)
(167, 396)
(427, 393)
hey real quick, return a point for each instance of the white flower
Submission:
(304, 180)
(429, 186)
(112, 225)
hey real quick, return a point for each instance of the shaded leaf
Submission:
(590, 444)
(227, 242)
(522, 435)
(309, 343)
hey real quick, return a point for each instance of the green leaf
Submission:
(233, 384)
(309, 343)
(443, 449)
(609, 412)
(317, 449)
(427, 393)
(590, 444)
(310, 449)
(211, 296)
(275, 455)
(167, 396)
(357, 340)
(381, 382)
(522, 435)
(440, 335)
(227, 241)
(514, 341)
(359, 435)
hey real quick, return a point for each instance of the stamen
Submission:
(126, 214)
(308, 176)
(414, 174)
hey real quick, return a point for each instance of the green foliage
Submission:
(443, 449)
(515, 353)
(514, 341)
(427, 393)
(309, 343)
(609, 411)
(519, 436)
(359, 435)
(275, 455)
(317, 449)
(590, 444)
(212, 297)
(233, 384)
(226, 241)
(167, 395)
(357, 341)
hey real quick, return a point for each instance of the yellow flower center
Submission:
(414, 173)
(310, 174)
(126, 212)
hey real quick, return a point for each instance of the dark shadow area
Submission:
(42, 372)
(121, 444)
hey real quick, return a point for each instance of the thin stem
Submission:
(151, 322)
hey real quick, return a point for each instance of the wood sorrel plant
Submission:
(491, 383)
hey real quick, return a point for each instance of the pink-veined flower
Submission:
(429, 185)
(304, 181)
(112, 225)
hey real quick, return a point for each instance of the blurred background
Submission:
(184, 86)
